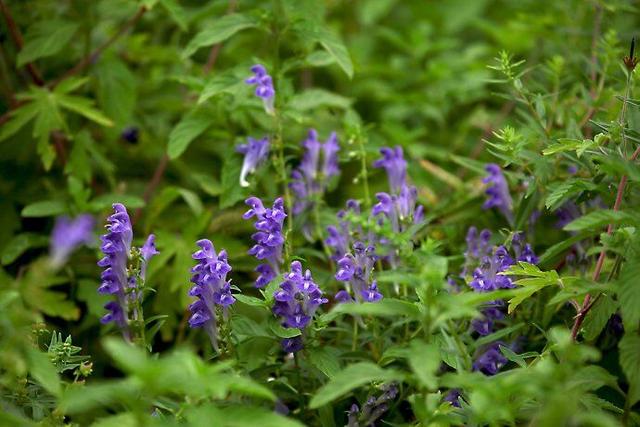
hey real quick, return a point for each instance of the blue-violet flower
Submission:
(69, 234)
(255, 153)
(264, 87)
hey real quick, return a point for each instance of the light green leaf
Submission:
(628, 289)
(44, 372)
(189, 128)
(19, 118)
(599, 219)
(176, 12)
(630, 362)
(220, 30)
(329, 41)
(387, 307)
(598, 316)
(424, 360)
(311, 99)
(350, 378)
(46, 39)
(326, 359)
(84, 107)
(20, 244)
(223, 83)
(107, 200)
(116, 90)
(44, 208)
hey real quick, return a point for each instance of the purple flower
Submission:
(485, 323)
(399, 209)
(355, 270)
(396, 166)
(567, 213)
(486, 277)
(523, 251)
(130, 134)
(116, 246)
(478, 247)
(497, 191)
(319, 164)
(373, 409)
(210, 285)
(340, 239)
(297, 300)
(67, 235)
(264, 87)
(255, 153)
(453, 396)
(269, 239)
(147, 251)
(491, 360)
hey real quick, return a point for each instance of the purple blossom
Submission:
(264, 87)
(399, 209)
(453, 397)
(355, 270)
(523, 251)
(567, 213)
(130, 134)
(255, 153)
(269, 239)
(373, 409)
(340, 237)
(491, 360)
(396, 166)
(116, 246)
(210, 285)
(147, 251)
(319, 164)
(498, 192)
(484, 325)
(296, 301)
(69, 234)
(486, 276)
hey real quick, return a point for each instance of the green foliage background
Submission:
(426, 75)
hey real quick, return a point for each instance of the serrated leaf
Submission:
(564, 190)
(598, 316)
(630, 362)
(189, 128)
(19, 118)
(116, 90)
(84, 107)
(628, 289)
(46, 39)
(220, 30)
(350, 378)
(599, 219)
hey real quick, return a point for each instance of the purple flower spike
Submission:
(269, 239)
(210, 285)
(396, 166)
(264, 87)
(255, 153)
(116, 246)
(296, 301)
(319, 164)
(69, 234)
(355, 270)
(148, 250)
(498, 192)
(373, 409)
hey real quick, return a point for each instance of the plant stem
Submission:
(364, 173)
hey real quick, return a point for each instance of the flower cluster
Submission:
(264, 87)
(117, 279)
(269, 239)
(296, 301)
(398, 206)
(491, 360)
(355, 270)
(319, 164)
(210, 285)
(373, 408)
(498, 192)
(255, 153)
(69, 234)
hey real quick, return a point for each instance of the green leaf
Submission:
(44, 372)
(84, 107)
(598, 316)
(312, 99)
(628, 289)
(44, 208)
(222, 83)
(564, 190)
(599, 219)
(238, 416)
(116, 90)
(630, 362)
(387, 307)
(44, 39)
(220, 30)
(126, 419)
(326, 359)
(538, 280)
(19, 118)
(424, 360)
(282, 332)
(176, 12)
(105, 201)
(350, 378)
(329, 41)
(512, 356)
(20, 244)
(232, 192)
(194, 123)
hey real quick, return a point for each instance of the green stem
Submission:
(354, 343)
(364, 173)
